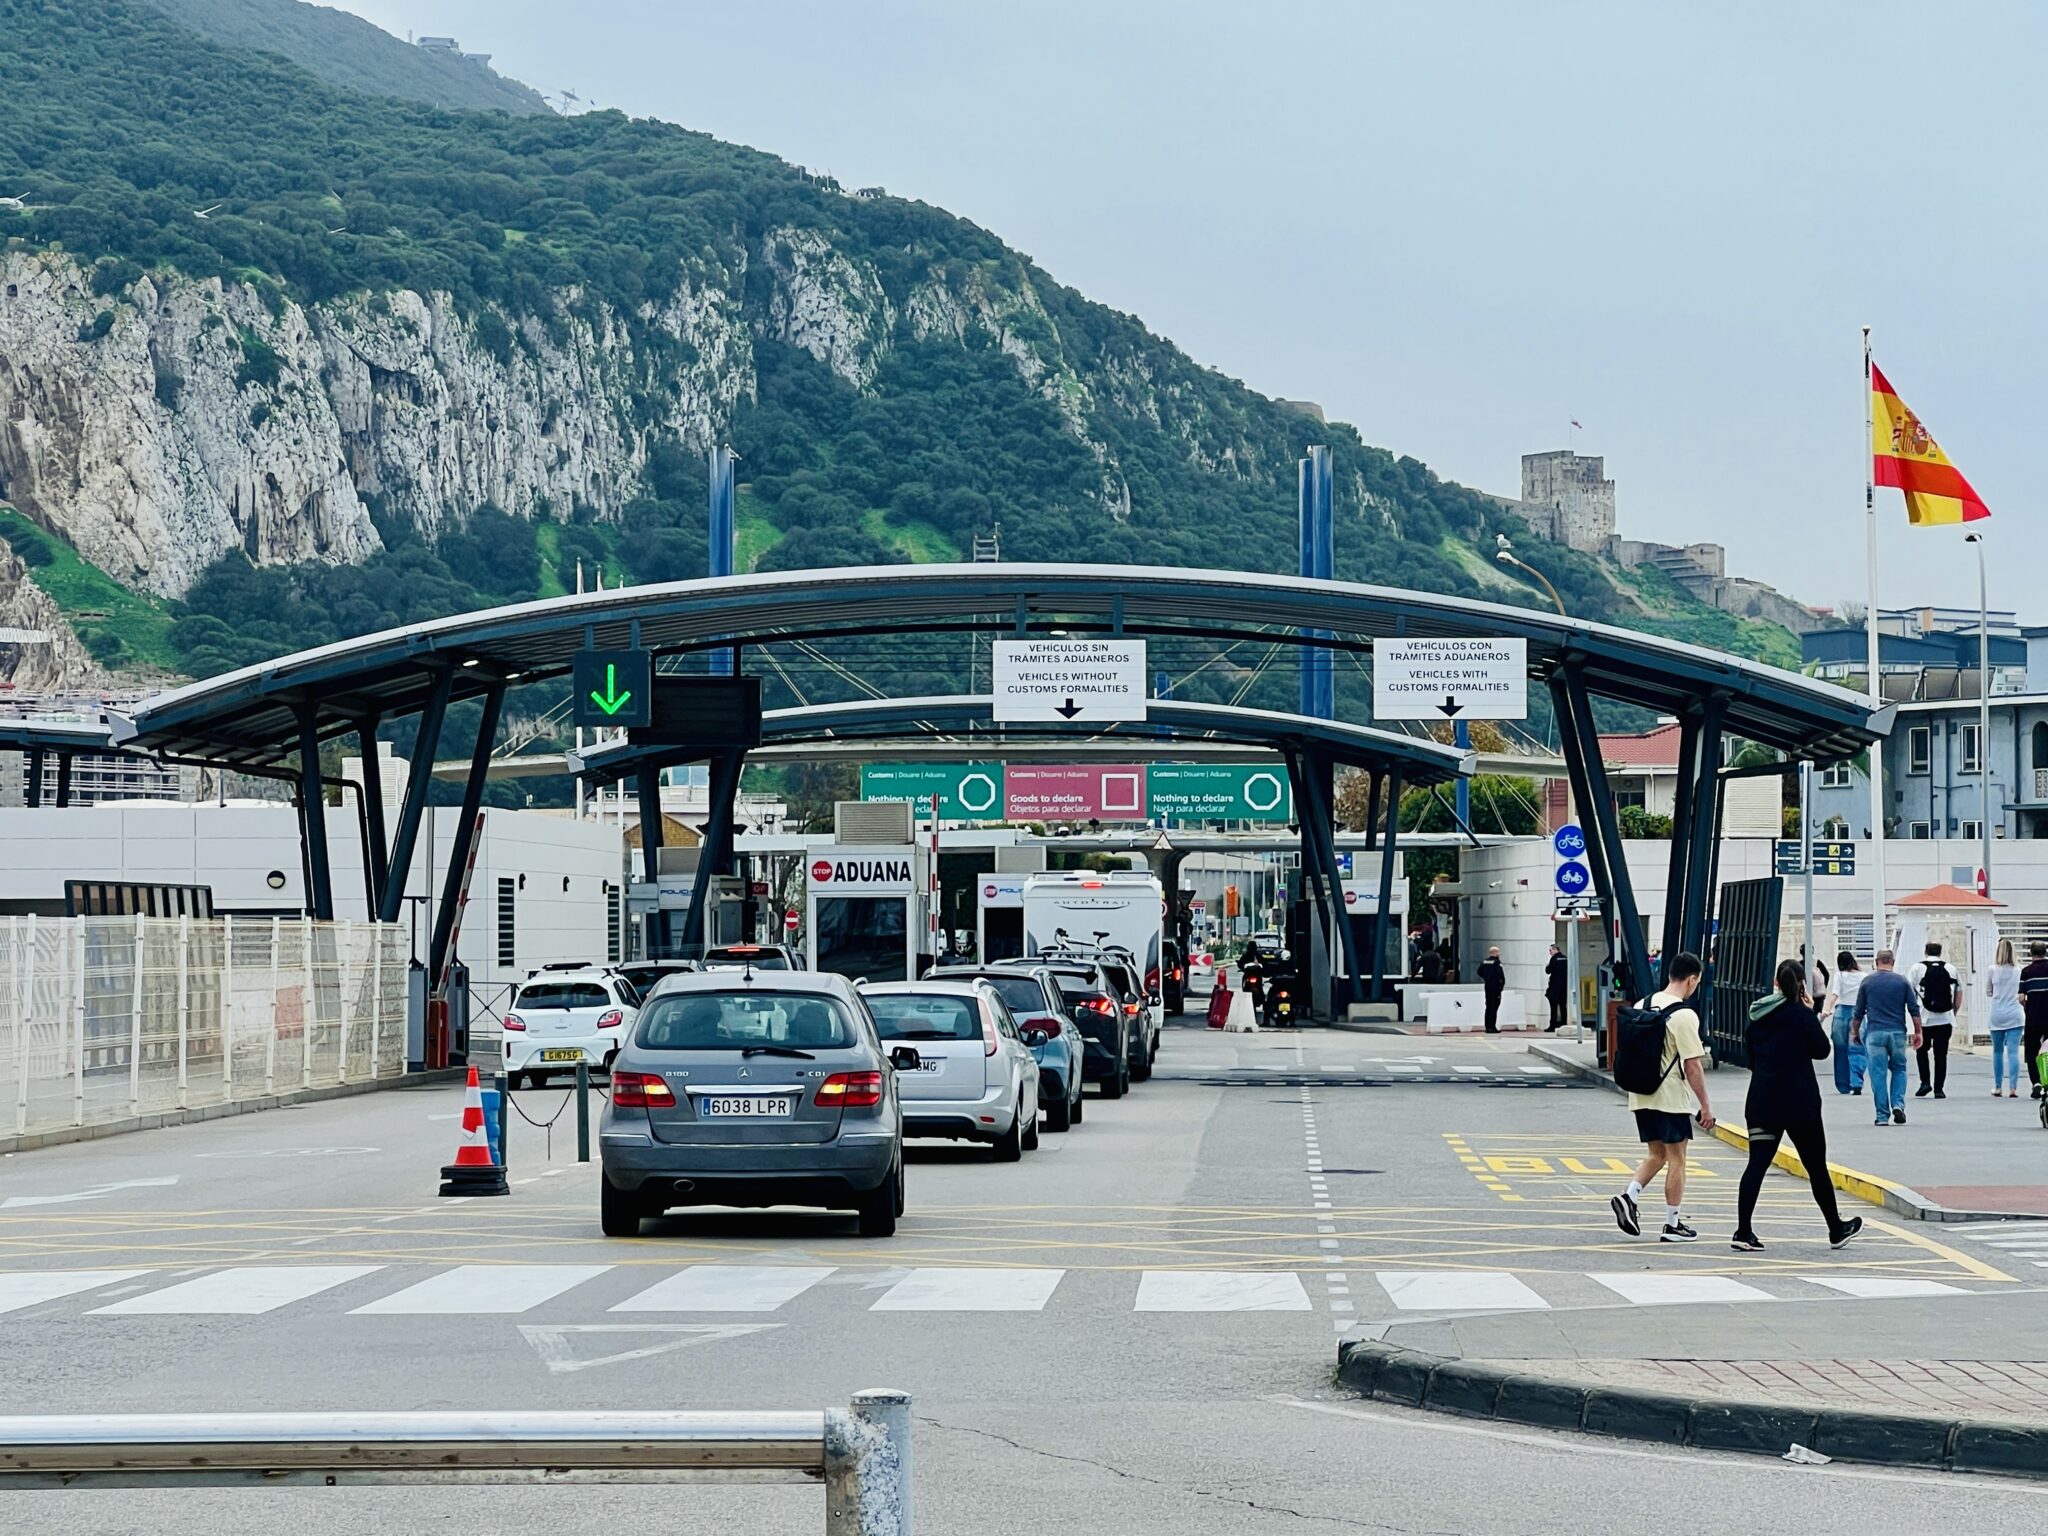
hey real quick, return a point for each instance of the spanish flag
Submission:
(1905, 455)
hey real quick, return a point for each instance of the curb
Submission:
(69, 1134)
(1414, 1378)
(1864, 1186)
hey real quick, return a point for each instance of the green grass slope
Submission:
(124, 630)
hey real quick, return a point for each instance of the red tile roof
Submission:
(1946, 896)
(1647, 749)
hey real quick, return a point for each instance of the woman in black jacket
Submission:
(1785, 1040)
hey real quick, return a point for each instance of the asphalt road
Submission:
(1131, 1331)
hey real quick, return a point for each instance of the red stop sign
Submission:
(789, 921)
(822, 871)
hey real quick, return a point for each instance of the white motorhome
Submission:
(1123, 908)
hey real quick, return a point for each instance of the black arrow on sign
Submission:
(1450, 706)
(1069, 709)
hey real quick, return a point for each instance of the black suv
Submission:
(1112, 1037)
(1117, 972)
(1173, 977)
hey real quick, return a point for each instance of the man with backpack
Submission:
(1657, 1058)
(1936, 986)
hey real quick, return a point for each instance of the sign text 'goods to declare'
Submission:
(1450, 679)
(1069, 679)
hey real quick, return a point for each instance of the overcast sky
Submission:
(1459, 225)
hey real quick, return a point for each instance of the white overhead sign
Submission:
(1450, 679)
(1081, 679)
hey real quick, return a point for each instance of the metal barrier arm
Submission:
(861, 1454)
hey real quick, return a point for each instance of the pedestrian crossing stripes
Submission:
(2023, 1241)
(577, 1290)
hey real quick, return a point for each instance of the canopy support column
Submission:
(1379, 918)
(376, 844)
(424, 746)
(1704, 768)
(1677, 876)
(465, 834)
(717, 846)
(653, 835)
(63, 779)
(313, 818)
(35, 778)
(1588, 774)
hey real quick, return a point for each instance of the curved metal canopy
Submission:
(252, 716)
(968, 716)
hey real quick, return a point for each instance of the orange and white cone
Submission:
(473, 1172)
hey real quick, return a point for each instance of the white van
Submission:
(1082, 910)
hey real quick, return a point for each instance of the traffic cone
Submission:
(473, 1172)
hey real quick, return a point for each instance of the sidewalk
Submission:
(1966, 1157)
(1961, 1381)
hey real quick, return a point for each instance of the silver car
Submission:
(754, 1088)
(976, 1079)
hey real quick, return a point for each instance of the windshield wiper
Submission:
(778, 1050)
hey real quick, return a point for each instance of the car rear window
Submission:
(760, 959)
(1021, 994)
(733, 1021)
(564, 994)
(1080, 993)
(906, 1016)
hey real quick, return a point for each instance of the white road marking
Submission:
(257, 1288)
(1884, 1285)
(971, 1290)
(1676, 1290)
(1220, 1290)
(483, 1288)
(97, 1192)
(28, 1288)
(1470, 1071)
(1457, 1291)
(556, 1345)
(726, 1288)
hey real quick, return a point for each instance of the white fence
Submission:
(106, 1018)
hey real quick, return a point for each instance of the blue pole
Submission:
(1461, 738)
(1318, 563)
(721, 536)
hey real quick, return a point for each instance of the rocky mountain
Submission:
(251, 318)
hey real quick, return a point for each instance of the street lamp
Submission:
(1984, 710)
(1504, 552)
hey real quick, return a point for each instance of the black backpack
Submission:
(1640, 1036)
(1938, 988)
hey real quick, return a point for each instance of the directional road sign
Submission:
(613, 688)
(1829, 857)
(1450, 679)
(966, 791)
(1078, 679)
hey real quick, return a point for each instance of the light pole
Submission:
(1984, 709)
(1504, 552)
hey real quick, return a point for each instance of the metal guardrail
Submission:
(860, 1453)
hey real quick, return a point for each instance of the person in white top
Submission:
(1848, 1057)
(1939, 987)
(2002, 986)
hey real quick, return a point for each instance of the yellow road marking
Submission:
(1975, 1266)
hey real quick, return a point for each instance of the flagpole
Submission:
(1877, 839)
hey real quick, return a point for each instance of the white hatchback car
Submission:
(976, 1079)
(559, 1018)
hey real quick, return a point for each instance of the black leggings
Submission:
(1934, 1038)
(1810, 1140)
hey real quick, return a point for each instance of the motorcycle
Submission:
(1280, 1000)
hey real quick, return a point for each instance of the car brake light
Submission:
(641, 1090)
(1097, 1005)
(611, 1020)
(850, 1090)
(989, 1040)
(1152, 979)
(515, 1023)
(1131, 1009)
(1049, 1024)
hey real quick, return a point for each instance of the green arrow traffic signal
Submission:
(613, 699)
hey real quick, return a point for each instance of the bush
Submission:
(260, 365)
(97, 326)
(32, 548)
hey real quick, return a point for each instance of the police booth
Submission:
(864, 910)
(999, 916)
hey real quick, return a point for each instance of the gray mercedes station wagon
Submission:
(754, 1088)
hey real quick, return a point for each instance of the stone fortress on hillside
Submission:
(1567, 498)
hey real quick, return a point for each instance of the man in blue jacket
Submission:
(1884, 1004)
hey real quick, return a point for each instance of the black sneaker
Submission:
(1625, 1217)
(1898, 1117)
(1746, 1242)
(1857, 1091)
(1922, 1091)
(1677, 1232)
(1849, 1229)
(1941, 1093)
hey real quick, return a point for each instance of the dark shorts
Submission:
(1662, 1125)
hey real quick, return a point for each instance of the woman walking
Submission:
(1848, 1055)
(1785, 1040)
(2002, 986)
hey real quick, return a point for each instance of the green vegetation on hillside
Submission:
(122, 629)
(347, 51)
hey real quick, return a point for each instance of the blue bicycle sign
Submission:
(1573, 878)
(1569, 841)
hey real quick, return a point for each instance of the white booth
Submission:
(998, 916)
(864, 910)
